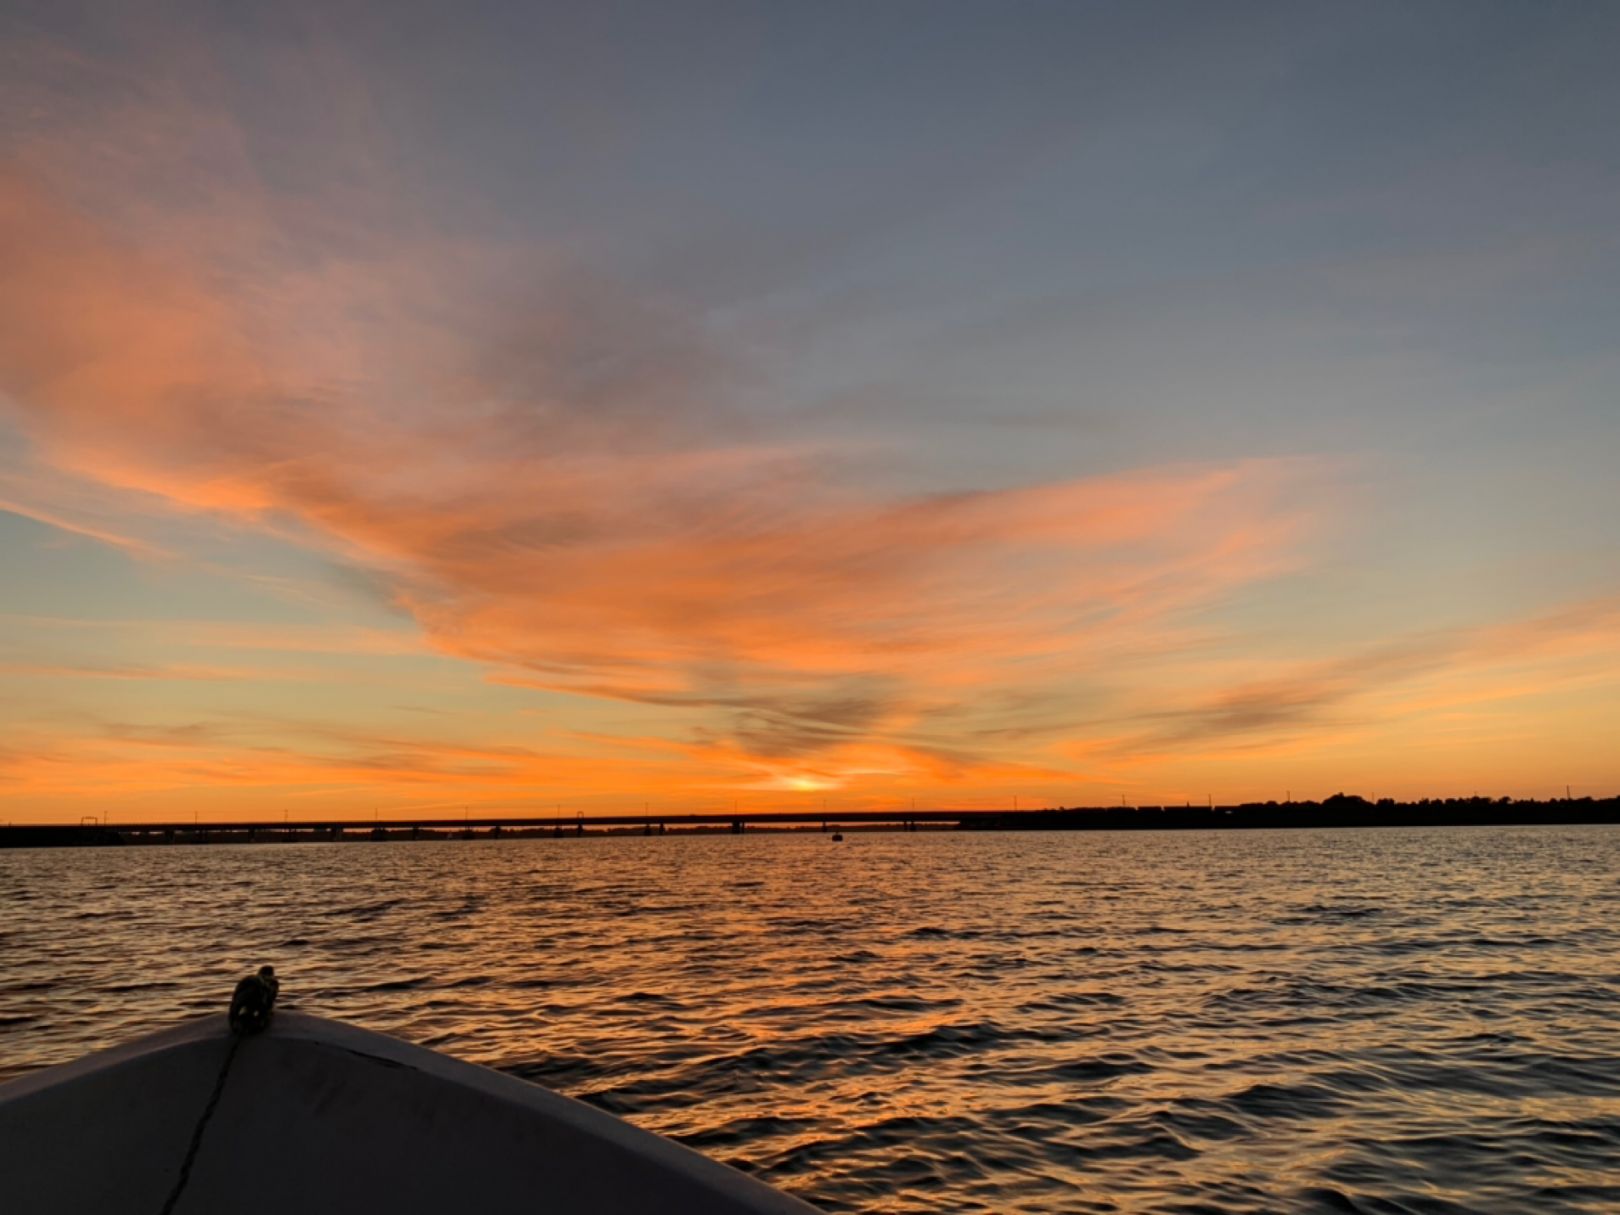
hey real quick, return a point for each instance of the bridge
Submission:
(1334, 812)
(91, 830)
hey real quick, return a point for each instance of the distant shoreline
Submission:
(1338, 811)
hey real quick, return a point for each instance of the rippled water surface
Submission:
(1375, 1020)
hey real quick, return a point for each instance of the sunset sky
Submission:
(507, 406)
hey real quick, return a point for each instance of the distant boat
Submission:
(322, 1118)
(838, 837)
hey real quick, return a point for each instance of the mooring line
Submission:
(202, 1125)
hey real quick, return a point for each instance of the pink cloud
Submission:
(1407, 679)
(568, 502)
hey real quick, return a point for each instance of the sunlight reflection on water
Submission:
(1372, 1020)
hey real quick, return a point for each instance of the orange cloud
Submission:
(1575, 645)
(567, 502)
(544, 473)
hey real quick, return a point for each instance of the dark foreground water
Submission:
(1375, 1020)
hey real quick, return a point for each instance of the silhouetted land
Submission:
(1340, 810)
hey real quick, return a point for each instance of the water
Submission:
(1376, 1020)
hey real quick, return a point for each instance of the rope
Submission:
(202, 1125)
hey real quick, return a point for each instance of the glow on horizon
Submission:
(343, 464)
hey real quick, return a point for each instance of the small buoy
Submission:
(838, 837)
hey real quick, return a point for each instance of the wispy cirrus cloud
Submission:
(1384, 683)
(557, 487)
(554, 475)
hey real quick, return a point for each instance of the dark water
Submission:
(1378, 1020)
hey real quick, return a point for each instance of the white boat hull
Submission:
(316, 1116)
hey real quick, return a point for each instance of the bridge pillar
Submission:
(736, 827)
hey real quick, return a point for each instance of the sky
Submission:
(530, 408)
